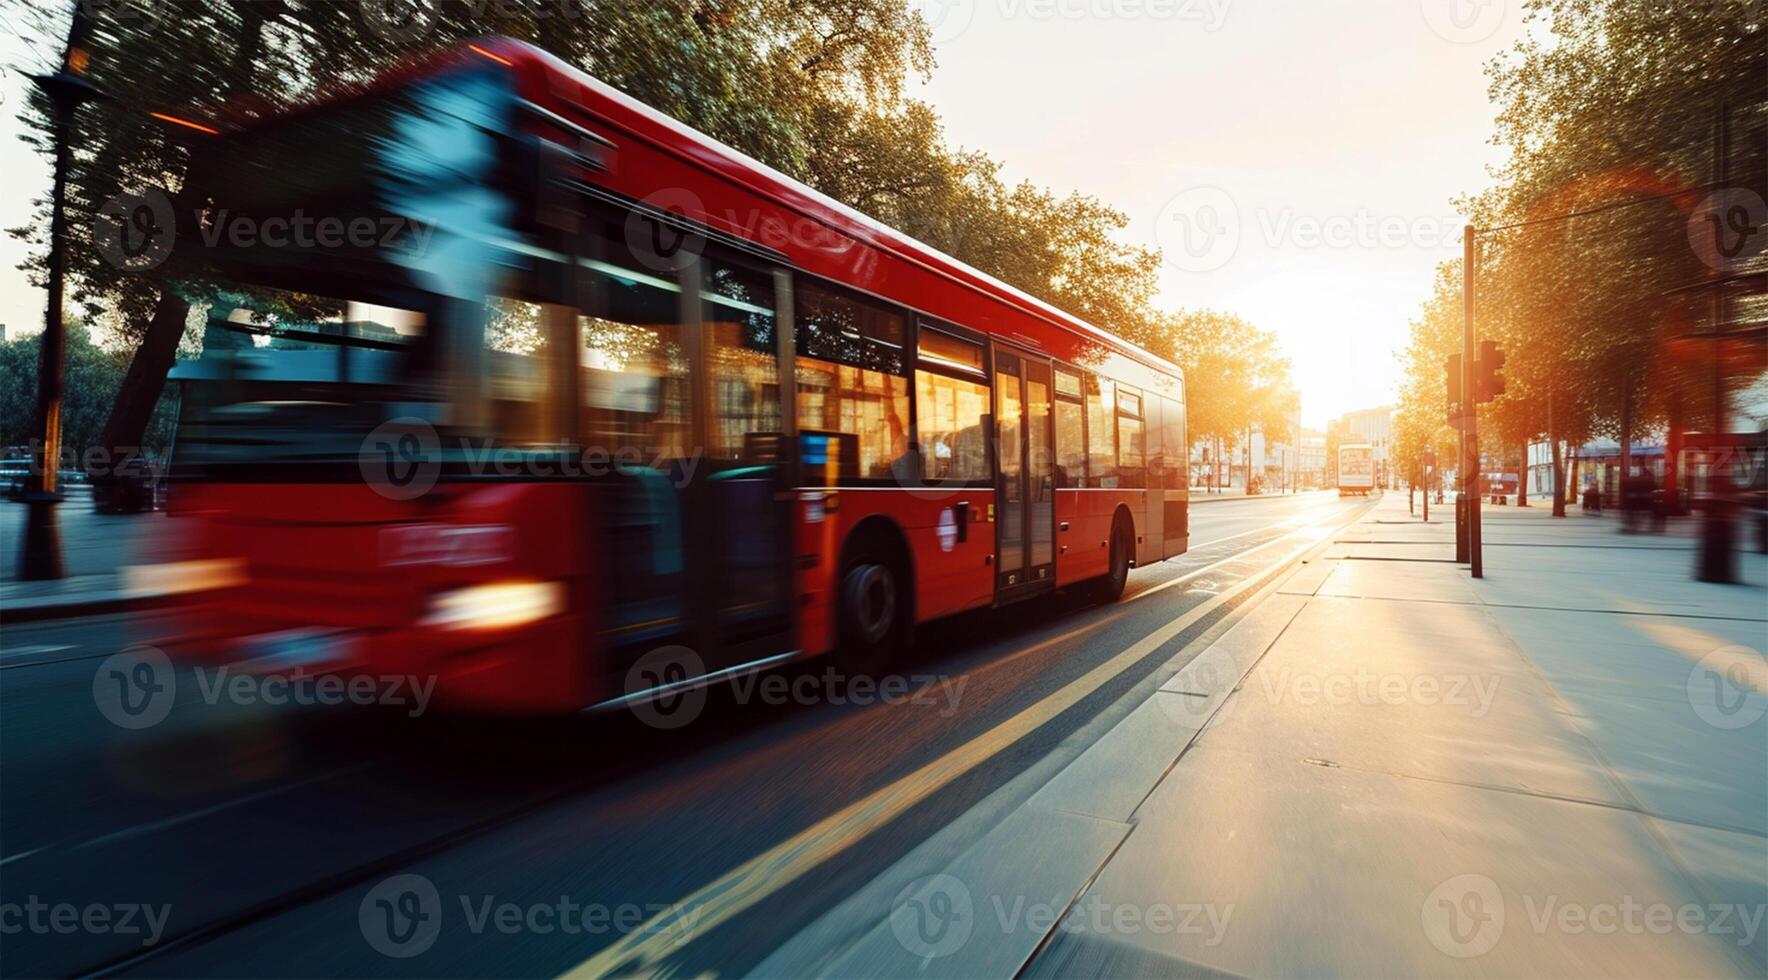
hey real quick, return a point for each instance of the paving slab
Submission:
(1323, 871)
(989, 911)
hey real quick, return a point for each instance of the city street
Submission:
(300, 810)
(810, 490)
(1026, 770)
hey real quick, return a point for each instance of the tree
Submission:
(810, 87)
(93, 377)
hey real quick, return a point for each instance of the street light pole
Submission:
(1470, 401)
(67, 91)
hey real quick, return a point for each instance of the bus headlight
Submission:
(182, 577)
(499, 605)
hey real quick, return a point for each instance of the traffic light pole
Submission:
(1470, 403)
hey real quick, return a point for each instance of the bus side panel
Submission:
(1083, 549)
(1177, 526)
(1148, 539)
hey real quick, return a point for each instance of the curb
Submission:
(95, 604)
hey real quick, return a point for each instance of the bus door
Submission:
(739, 558)
(1026, 522)
(681, 396)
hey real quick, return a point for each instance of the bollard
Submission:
(1461, 547)
(1717, 560)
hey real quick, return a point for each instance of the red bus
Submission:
(511, 380)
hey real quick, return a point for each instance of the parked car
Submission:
(127, 490)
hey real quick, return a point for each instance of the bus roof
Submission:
(690, 144)
(556, 85)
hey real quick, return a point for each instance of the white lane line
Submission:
(20, 855)
(29, 651)
(154, 826)
(645, 949)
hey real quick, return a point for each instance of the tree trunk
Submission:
(1558, 484)
(141, 386)
(1522, 476)
(1626, 428)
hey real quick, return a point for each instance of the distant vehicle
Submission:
(1498, 483)
(1356, 470)
(13, 472)
(15, 477)
(128, 490)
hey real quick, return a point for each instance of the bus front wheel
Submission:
(874, 611)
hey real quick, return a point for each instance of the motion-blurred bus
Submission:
(511, 380)
(1356, 469)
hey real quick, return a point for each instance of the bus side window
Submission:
(1154, 448)
(1101, 433)
(741, 336)
(853, 386)
(1172, 441)
(1131, 448)
(1071, 448)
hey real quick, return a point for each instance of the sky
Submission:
(1295, 160)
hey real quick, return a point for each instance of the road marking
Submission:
(154, 826)
(22, 854)
(27, 651)
(645, 949)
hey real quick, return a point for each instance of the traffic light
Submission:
(1488, 382)
(1452, 383)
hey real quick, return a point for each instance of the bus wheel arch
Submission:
(876, 595)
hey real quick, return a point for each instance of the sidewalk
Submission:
(94, 547)
(1394, 770)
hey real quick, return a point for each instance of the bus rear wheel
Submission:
(1110, 587)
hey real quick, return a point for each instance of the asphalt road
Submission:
(256, 840)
